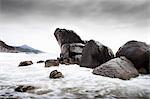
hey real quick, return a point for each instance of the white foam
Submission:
(77, 82)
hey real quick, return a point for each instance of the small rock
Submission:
(41, 61)
(25, 63)
(55, 74)
(23, 88)
(51, 62)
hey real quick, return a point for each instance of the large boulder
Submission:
(64, 36)
(95, 54)
(25, 63)
(71, 46)
(117, 68)
(138, 53)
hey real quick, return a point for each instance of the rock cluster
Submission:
(74, 50)
(138, 53)
(130, 60)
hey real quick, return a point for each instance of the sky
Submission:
(111, 22)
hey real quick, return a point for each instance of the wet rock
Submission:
(25, 63)
(8, 96)
(64, 36)
(55, 74)
(94, 54)
(139, 53)
(41, 61)
(71, 53)
(117, 68)
(51, 62)
(24, 88)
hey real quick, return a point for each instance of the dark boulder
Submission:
(64, 36)
(94, 54)
(25, 63)
(117, 68)
(55, 74)
(71, 53)
(24, 88)
(41, 61)
(138, 53)
(51, 62)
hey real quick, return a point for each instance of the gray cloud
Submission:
(121, 10)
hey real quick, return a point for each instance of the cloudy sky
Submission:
(112, 22)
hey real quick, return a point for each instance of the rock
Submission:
(64, 36)
(117, 68)
(55, 74)
(51, 62)
(9, 96)
(25, 63)
(24, 88)
(94, 54)
(41, 61)
(71, 53)
(139, 54)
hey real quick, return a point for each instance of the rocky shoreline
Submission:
(130, 60)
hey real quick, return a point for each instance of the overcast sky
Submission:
(34, 21)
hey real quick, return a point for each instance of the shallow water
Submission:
(78, 82)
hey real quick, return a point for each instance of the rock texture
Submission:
(117, 68)
(71, 46)
(94, 54)
(71, 53)
(13, 49)
(138, 53)
(64, 36)
(55, 74)
(25, 63)
(24, 88)
(51, 62)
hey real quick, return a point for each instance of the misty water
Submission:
(78, 82)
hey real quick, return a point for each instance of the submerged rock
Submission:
(138, 53)
(94, 54)
(9, 96)
(25, 63)
(64, 36)
(51, 62)
(117, 68)
(55, 74)
(24, 88)
(41, 61)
